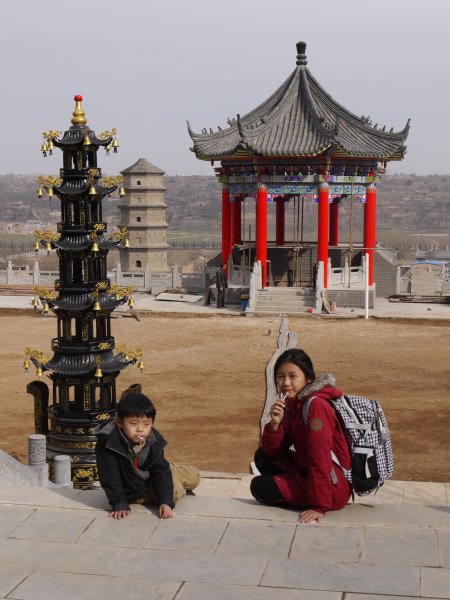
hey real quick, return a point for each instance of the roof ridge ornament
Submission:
(301, 56)
(79, 117)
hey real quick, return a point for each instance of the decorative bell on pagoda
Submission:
(39, 371)
(44, 149)
(92, 190)
(97, 306)
(36, 246)
(121, 192)
(35, 303)
(39, 192)
(98, 370)
(94, 247)
(86, 141)
(115, 145)
(48, 247)
(141, 365)
(50, 192)
(131, 303)
(126, 243)
(46, 309)
(26, 365)
(50, 146)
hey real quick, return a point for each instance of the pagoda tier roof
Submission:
(300, 119)
(78, 242)
(85, 301)
(143, 166)
(82, 364)
(80, 185)
(76, 134)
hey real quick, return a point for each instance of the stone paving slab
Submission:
(11, 516)
(192, 534)
(444, 547)
(414, 516)
(191, 566)
(335, 544)
(234, 508)
(132, 532)
(435, 583)
(10, 577)
(47, 525)
(425, 493)
(383, 597)
(405, 546)
(30, 554)
(343, 577)
(55, 586)
(257, 537)
(208, 591)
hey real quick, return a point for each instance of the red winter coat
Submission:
(306, 480)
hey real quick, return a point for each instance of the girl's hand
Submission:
(277, 413)
(165, 512)
(309, 516)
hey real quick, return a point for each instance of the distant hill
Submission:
(405, 202)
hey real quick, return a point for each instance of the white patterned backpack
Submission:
(369, 440)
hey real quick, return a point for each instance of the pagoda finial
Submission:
(301, 56)
(78, 118)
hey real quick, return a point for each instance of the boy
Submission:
(131, 463)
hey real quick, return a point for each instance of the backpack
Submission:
(369, 440)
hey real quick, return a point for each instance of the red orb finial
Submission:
(78, 98)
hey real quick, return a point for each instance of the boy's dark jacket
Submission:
(117, 474)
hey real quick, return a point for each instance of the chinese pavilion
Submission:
(300, 142)
(84, 366)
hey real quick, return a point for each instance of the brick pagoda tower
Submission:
(143, 213)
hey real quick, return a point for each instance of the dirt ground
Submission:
(206, 377)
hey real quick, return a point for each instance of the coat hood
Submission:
(325, 384)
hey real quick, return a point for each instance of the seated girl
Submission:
(306, 478)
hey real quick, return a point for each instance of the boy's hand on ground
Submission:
(309, 516)
(120, 514)
(165, 512)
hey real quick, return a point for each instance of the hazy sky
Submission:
(147, 66)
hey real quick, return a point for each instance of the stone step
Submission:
(284, 305)
(287, 290)
(281, 311)
(270, 298)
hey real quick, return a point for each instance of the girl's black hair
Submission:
(134, 404)
(296, 357)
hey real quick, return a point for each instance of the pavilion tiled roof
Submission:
(300, 119)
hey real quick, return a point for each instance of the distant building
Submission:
(143, 212)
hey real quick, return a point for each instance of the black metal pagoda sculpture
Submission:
(84, 366)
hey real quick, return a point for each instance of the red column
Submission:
(261, 230)
(226, 225)
(334, 223)
(322, 231)
(280, 221)
(236, 235)
(370, 226)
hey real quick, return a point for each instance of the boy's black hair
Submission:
(134, 404)
(296, 357)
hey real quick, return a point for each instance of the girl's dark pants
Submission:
(263, 487)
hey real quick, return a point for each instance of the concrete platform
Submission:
(144, 302)
(222, 545)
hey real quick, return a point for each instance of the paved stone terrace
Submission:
(222, 545)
